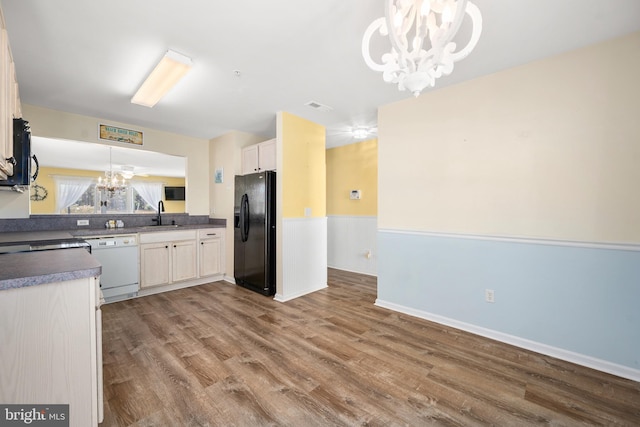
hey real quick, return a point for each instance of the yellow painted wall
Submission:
(303, 171)
(45, 179)
(550, 149)
(353, 167)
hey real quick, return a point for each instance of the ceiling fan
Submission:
(129, 171)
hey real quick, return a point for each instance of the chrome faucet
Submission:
(158, 219)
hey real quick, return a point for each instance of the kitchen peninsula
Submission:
(51, 330)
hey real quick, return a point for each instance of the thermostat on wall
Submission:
(355, 195)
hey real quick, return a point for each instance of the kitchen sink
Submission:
(159, 227)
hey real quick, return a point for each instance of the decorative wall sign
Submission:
(219, 176)
(113, 133)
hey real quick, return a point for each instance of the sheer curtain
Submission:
(151, 192)
(69, 189)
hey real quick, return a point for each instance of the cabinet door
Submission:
(250, 160)
(267, 155)
(184, 260)
(210, 257)
(49, 348)
(155, 264)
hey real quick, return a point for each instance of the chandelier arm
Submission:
(461, 6)
(476, 19)
(366, 41)
(393, 35)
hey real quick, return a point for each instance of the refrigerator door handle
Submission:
(245, 218)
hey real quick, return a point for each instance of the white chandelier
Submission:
(420, 32)
(112, 182)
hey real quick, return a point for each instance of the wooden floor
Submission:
(220, 355)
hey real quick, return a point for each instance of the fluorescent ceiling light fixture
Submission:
(171, 68)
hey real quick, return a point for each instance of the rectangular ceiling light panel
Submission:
(167, 73)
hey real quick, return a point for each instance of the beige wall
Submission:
(58, 124)
(225, 152)
(550, 149)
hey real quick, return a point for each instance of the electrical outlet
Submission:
(489, 295)
(82, 222)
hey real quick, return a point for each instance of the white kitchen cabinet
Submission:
(259, 157)
(8, 104)
(211, 251)
(51, 353)
(155, 264)
(167, 257)
(184, 260)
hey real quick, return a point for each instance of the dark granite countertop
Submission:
(33, 236)
(36, 268)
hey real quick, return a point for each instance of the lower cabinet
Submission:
(169, 257)
(184, 261)
(155, 264)
(211, 251)
(51, 349)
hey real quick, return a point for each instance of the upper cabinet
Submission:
(259, 157)
(9, 102)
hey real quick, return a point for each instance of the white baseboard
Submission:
(179, 285)
(289, 297)
(558, 353)
(352, 271)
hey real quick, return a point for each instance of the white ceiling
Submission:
(89, 57)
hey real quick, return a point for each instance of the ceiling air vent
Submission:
(317, 106)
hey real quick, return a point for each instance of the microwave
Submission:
(22, 156)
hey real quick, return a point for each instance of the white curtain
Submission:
(69, 189)
(151, 192)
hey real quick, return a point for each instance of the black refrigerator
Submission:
(254, 232)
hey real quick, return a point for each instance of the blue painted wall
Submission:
(585, 300)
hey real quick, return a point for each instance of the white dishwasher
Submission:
(119, 257)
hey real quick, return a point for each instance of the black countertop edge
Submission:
(24, 269)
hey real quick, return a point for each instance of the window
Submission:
(79, 196)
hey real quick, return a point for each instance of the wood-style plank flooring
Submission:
(220, 355)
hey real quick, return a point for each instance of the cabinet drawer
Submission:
(167, 236)
(210, 233)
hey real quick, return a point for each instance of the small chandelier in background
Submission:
(112, 182)
(420, 32)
